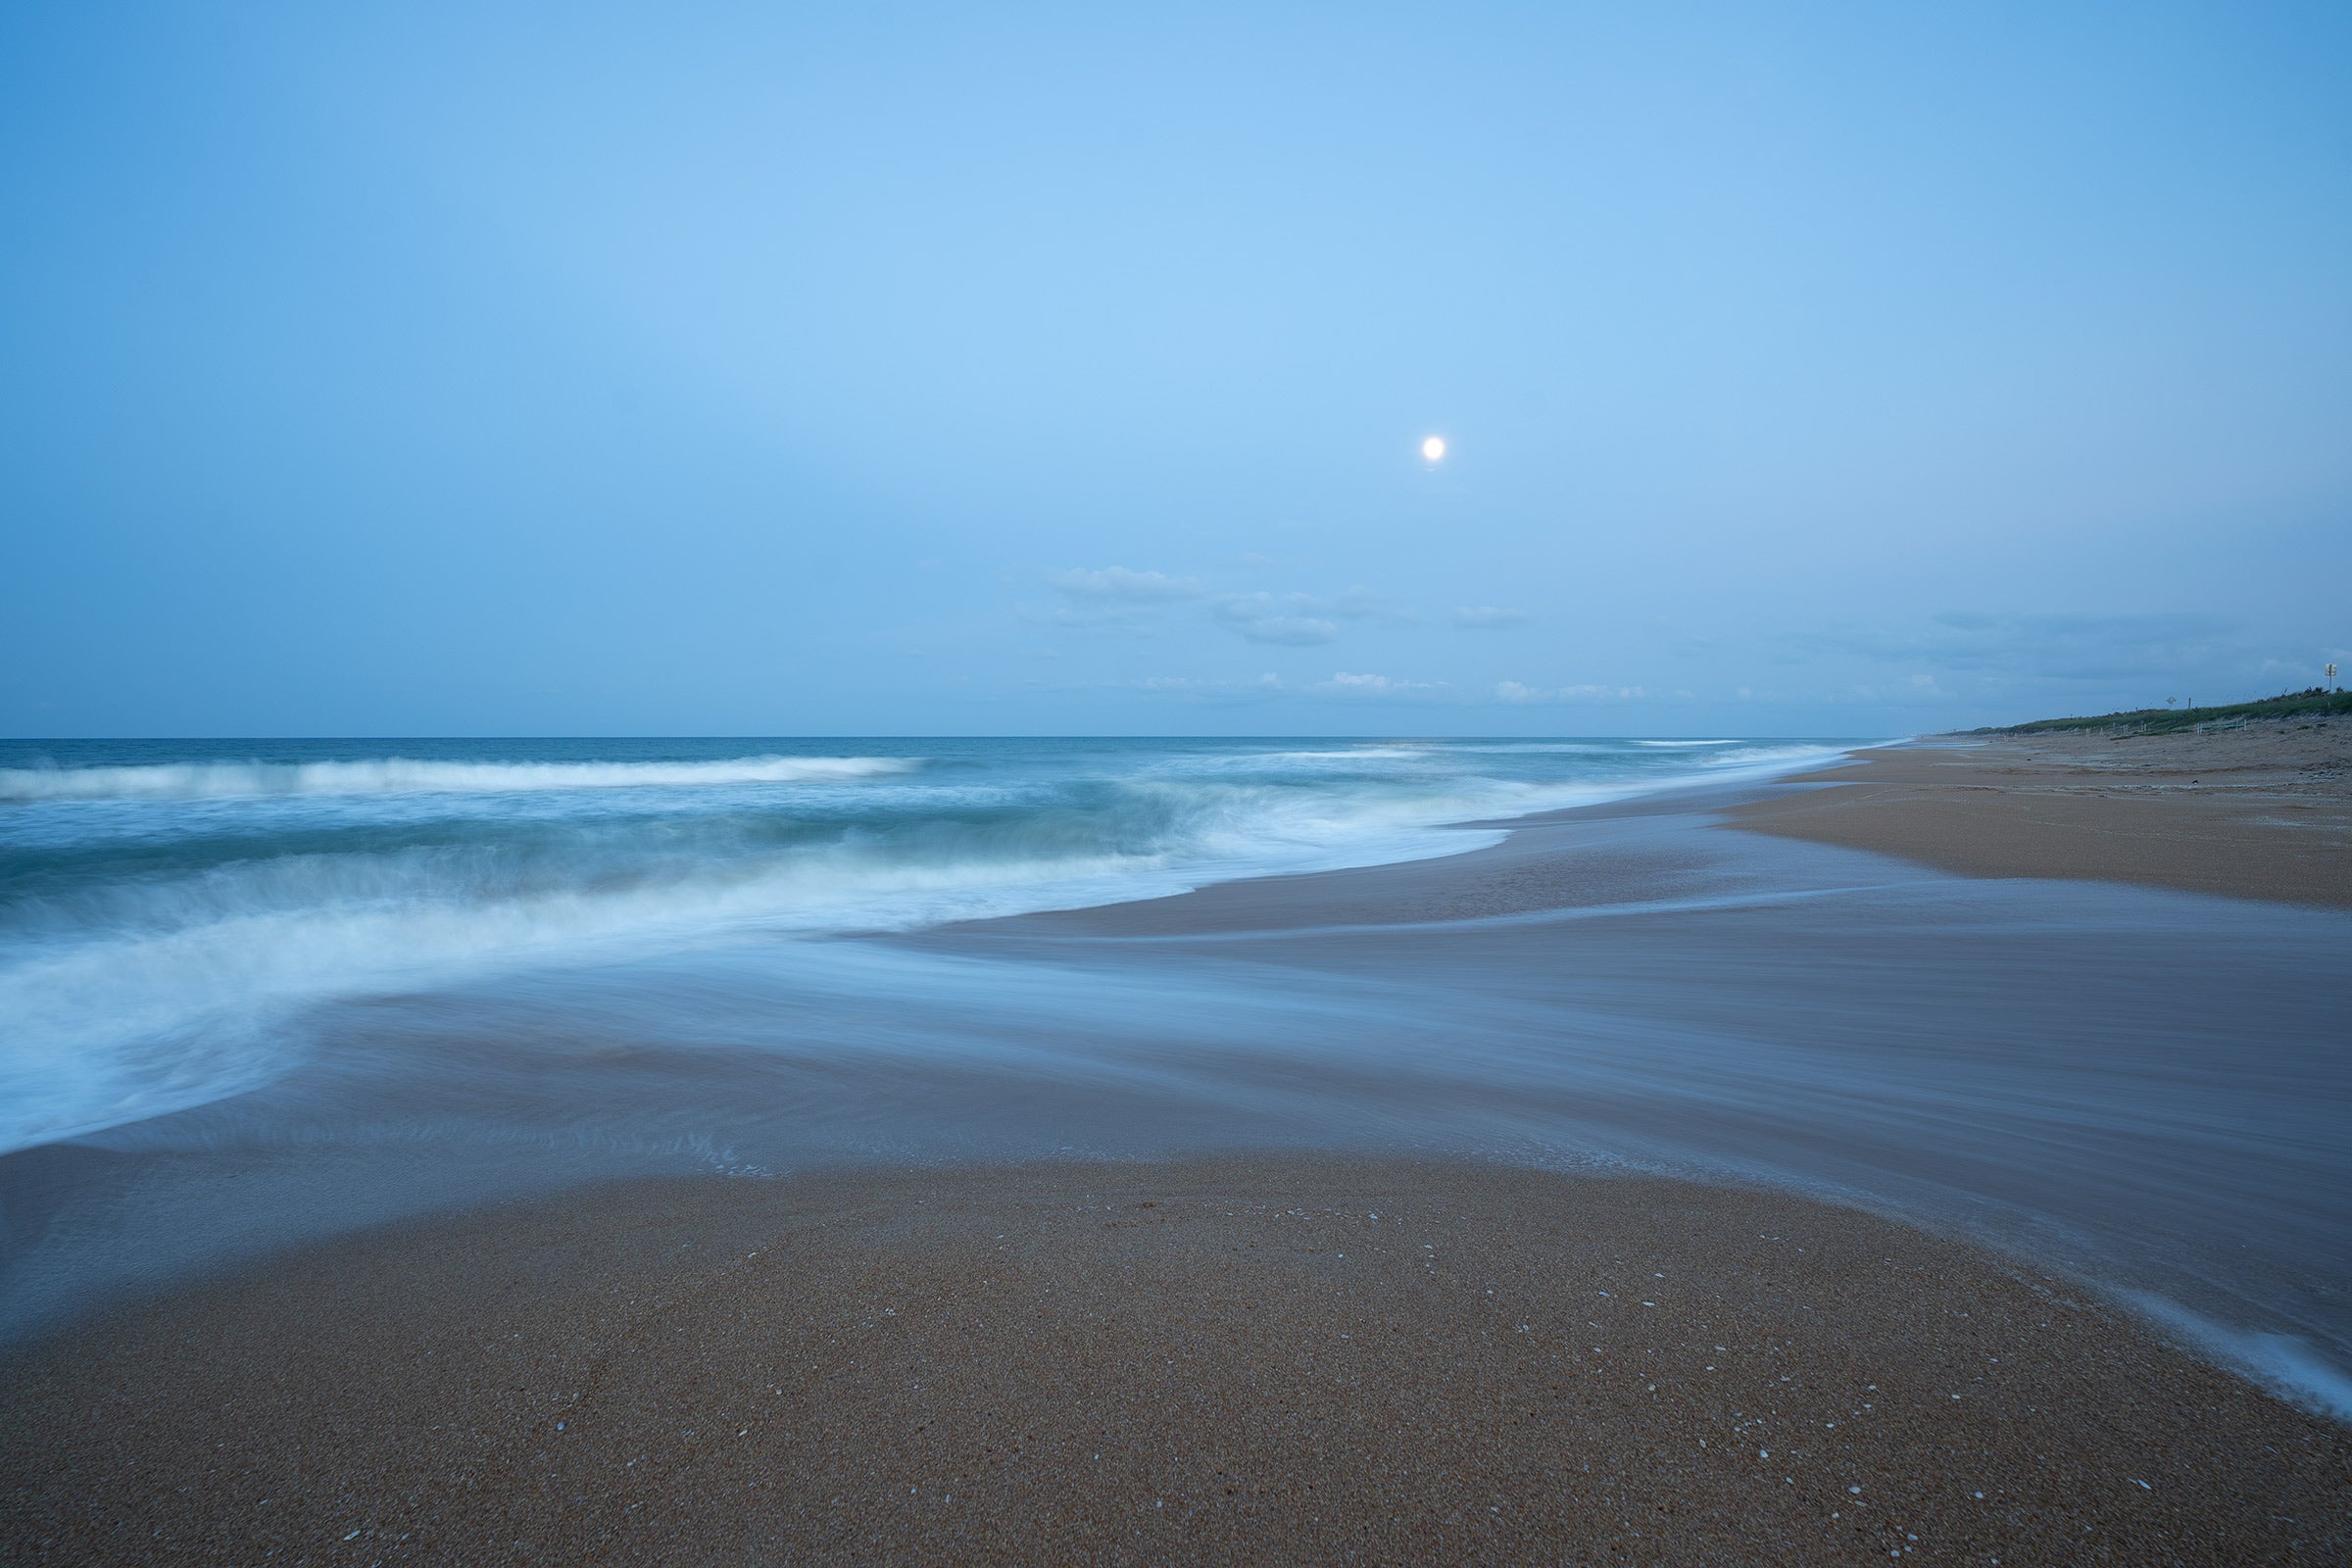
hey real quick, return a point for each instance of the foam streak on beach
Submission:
(244, 1020)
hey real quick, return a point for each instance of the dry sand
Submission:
(2258, 811)
(1237, 1360)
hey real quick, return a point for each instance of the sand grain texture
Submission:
(2263, 811)
(1223, 1361)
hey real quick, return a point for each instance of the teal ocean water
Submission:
(170, 911)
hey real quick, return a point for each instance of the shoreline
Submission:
(1188, 1312)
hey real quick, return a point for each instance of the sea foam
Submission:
(400, 775)
(166, 921)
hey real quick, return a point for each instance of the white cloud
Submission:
(1121, 598)
(1362, 603)
(1118, 582)
(1487, 617)
(2062, 647)
(1295, 631)
(1135, 619)
(1192, 686)
(1264, 618)
(1301, 620)
(1344, 684)
(1254, 606)
(1511, 691)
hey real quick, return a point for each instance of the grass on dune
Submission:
(2166, 720)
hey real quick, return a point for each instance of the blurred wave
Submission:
(163, 917)
(392, 776)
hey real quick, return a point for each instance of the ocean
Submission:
(173, 915)
(255, 994)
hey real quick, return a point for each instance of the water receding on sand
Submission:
(170, 911)
(2139, 1087)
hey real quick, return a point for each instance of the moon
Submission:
(1433, 448)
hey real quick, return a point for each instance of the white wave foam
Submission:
(2287, 1364)
(148, 997)
(1384, 752)
(187, 1005)
(145, 995)
(401, 775)
(1750, 754)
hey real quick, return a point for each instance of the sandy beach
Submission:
(2262, 811)
(1366, 1331)
(1252, 1361)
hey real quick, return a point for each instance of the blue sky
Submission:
(768, 369)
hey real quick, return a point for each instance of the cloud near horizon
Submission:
(2061, 647)
(1511, 691)
(1355, 686)
(1125, 597)
(1265, 618)
(1303, 620)
(1264, 685)
(1343, 684)
(1121, 583)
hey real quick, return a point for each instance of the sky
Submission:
(771, 369)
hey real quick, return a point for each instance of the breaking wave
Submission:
(166, 921)
(400, 775)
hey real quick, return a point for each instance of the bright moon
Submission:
(1433, 448)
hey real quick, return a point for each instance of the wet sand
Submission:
(1263, 1359)
(1193, 1356)
(2259, 811)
